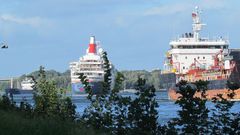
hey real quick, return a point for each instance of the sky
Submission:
(135, 33)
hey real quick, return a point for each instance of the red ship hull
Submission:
(173, 95)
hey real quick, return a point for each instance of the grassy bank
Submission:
(13, 123)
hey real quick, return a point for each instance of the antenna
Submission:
(197, 25)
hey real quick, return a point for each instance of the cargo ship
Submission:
(26, 87)
(92, 66)
(192, 58)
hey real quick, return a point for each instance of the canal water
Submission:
(167, 109)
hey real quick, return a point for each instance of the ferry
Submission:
(192, 58)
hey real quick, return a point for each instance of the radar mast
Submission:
(197, 25)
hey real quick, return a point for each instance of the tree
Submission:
(49, 100)
(152, 78)
(120, 118)
(193, 117)
(67, 111)
(121, 115)
(118, 82)
(6, 103)
(86, 85)
(107, 74)
(223, 120)
(99, 113)
(142, 110)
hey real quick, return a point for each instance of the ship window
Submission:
(198, 57)
(203, 57)
(186, 57)
(183, 67)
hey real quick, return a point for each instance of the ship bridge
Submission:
(190, 50)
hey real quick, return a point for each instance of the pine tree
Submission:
(193, 117)
(99, 113)
(86, 85)
(223, 120)
(118, 82)
(142, 110)
(107, 74)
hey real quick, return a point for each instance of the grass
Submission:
(13, 123)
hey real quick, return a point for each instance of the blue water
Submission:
(167, 109)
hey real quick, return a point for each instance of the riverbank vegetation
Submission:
(63, 80)
(14, 122)
(111, 113)
(52, 112)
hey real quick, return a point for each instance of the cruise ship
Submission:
(192, 58)
(91, 65)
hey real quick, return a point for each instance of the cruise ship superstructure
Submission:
(91, 65)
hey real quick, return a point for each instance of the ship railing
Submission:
(203, 40)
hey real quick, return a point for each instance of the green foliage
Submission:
(193, 117)
(107, 74)
(168, 129)
(118, 82)
(52, 113)
(121, 115)
(152, 78)
(121, 122)
(13, 123)
(6, 103)
(86, 85)
(142, 110)
(223, 121)
(4, 85)
(49, 101)
(26, 109)
(109, 112)
(62, 80)
(67, 109)
(99, 113)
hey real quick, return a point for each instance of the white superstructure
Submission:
(192, 51)
(27, 84)
(90, 64)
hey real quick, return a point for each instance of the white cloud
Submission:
(32, 21)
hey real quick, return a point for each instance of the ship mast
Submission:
(197, 25)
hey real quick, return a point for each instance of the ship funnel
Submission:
(92, 45)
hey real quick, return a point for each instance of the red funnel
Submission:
(92, 45)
